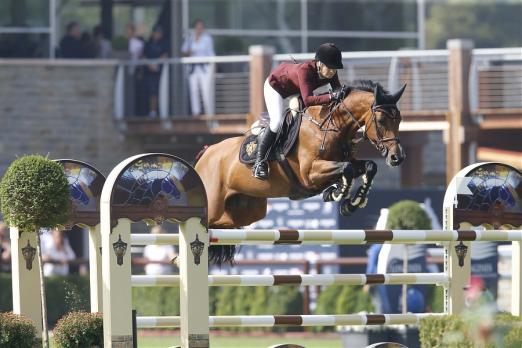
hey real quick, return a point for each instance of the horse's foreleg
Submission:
(360, 198)
(325, 173)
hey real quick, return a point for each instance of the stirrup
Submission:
(257, 174)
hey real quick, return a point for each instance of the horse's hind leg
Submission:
(239, 210)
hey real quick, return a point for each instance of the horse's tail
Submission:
(220, 254)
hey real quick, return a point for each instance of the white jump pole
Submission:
(516, 278)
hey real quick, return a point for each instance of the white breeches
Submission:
(199, 82)
(274, 106)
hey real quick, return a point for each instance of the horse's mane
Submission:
(368, 86)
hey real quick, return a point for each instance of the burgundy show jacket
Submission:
(290, 79)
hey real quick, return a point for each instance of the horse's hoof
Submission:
(333, 193)
(347, 208)
(344, 208)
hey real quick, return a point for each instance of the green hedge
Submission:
(223, 301)
(451, 331)
(338, 299)
(6, 295)
(64, 294)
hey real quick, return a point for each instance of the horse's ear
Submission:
(377, 93)
(397, 95)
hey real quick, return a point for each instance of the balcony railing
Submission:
(495, 80)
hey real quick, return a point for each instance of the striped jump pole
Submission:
(284, 236)
(291, 320)
(439, 279)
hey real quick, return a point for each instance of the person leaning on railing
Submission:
(199, 44)
(156, 48)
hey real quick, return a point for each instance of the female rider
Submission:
(290, 79)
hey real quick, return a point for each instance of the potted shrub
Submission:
(16, 331)
(34, 194)
(79, 329)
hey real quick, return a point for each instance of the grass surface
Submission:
(240, 340)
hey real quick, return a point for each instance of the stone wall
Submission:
(63, 109)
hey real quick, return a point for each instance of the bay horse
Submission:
(322, 160)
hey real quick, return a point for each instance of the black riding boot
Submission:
(264, 142)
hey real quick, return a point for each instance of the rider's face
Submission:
(326, 72)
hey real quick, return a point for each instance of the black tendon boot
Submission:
(264, 142)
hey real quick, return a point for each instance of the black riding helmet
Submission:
(329, 55)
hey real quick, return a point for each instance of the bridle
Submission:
(388, 110)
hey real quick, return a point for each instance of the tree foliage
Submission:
(487, 23)
(34, 193)
(408, 215)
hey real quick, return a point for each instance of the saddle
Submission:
(284, 143)
(285, 138)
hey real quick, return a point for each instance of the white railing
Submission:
(495, 79)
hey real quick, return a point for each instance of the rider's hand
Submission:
(336, 96)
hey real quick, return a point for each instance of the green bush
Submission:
(408, 215)
(450, 331)
(16, 331)
(34, 193)
(79, 330)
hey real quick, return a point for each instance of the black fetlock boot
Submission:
(264, 142)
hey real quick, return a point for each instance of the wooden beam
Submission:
(512, 158)
(460, 127)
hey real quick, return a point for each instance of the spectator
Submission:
(199, 44)
(5, 248)
(71, 45)
(159, 253)
(56, 253)
(135, 89)
(155, 48)
(136, 43)
(102, 46)
(477, 294)
(89, 51)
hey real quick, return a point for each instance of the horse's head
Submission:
(382, 125)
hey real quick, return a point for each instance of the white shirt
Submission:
(136, 47)
(204, 47)
(158, 253)
(64, 254)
